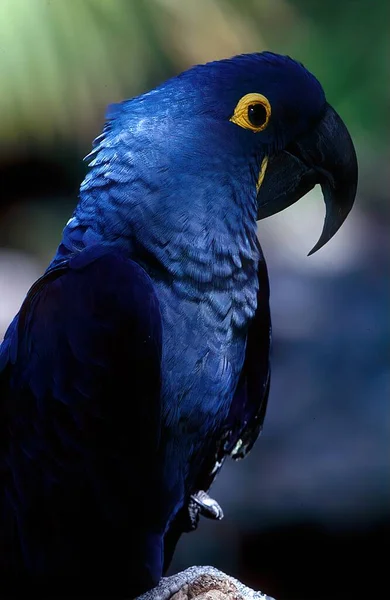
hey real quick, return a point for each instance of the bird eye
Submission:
(253, 112)
(257, 114)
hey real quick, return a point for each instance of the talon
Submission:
(208, 507)
(193, 514)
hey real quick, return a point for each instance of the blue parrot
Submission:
(139, 360)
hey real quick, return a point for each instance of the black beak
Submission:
(325, 155)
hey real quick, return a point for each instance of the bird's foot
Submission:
(208, 507)
(201, 504)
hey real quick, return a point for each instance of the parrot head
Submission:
(261, 119)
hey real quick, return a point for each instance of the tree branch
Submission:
(202, 583)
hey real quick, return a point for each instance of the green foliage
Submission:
(63, 61)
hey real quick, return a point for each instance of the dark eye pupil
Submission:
(257, 114)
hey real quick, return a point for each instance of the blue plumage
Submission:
(140, 359)
(74, 391)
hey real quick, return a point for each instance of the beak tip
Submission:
(315, 248)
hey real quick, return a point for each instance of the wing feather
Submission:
(250, 401)
(80, 403)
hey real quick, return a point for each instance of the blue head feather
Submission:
(205, 96)
(171, 170)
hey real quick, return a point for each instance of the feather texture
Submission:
(80, 372)
(140, 360)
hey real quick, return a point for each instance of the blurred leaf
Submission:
(63, 61)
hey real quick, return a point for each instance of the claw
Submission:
(193, 514)
(208, 507)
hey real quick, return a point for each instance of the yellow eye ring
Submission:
(253, 112)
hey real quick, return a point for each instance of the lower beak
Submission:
(325, 155)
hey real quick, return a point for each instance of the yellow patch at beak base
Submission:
(263, 169)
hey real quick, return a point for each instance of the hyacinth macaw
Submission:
(140, 359)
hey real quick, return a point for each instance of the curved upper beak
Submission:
(325, 155)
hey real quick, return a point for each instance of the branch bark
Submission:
(202, 583)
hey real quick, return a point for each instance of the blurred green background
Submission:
(308, 510)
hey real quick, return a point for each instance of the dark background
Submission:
(307, 513)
